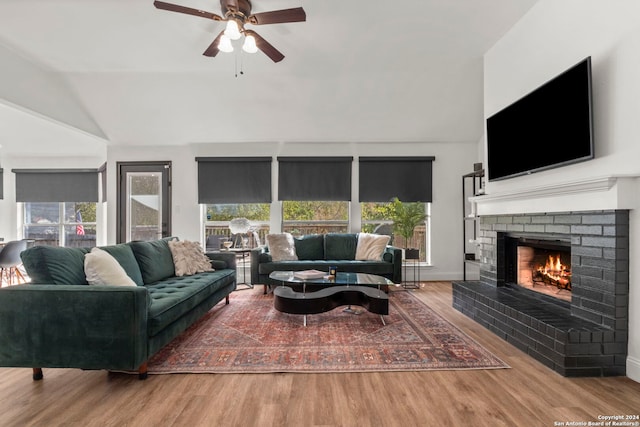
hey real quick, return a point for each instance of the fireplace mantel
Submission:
(609, 192)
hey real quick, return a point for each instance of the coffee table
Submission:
(326, 293)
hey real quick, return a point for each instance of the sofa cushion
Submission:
(281, 247)
(371, 246)
(55, 265)
(340, 246)
(154, 259)
(188, 258)
(101, 268)
(310, 247)
(174, 297)
(124, 255)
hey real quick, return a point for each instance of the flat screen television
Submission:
(550, 127)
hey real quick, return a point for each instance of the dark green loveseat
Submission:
(59, 321)
(320, 251)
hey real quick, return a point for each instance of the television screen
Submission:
(549, 127)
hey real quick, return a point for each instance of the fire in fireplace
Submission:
(542, 266)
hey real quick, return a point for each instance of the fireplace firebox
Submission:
(539, 265)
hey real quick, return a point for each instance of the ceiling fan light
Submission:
(225, 44)
(232, 31)
(249, 45)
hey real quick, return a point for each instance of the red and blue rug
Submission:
(250, 336)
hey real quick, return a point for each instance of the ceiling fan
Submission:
(237, 13)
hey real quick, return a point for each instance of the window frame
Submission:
(427, 225)
(333, 223)
(263, 226)
(60, 225)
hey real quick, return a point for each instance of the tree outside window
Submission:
(376, 218)
(315, 217)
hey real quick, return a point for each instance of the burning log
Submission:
(553, 273)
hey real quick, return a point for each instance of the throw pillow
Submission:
(102, 269)
(371, 246)
(281, 247)
(188, 258)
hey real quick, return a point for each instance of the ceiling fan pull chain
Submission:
(241, 64)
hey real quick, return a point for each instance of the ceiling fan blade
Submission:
(297, 14)
(266, 47)
(213, 50)
(188, 10)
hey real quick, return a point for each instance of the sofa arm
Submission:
(73, 326)
(396, 260)
(257, 254)
(228, 257)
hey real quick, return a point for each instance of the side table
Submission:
(412, 265)
(242, 254)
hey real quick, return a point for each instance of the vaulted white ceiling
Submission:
(124, 72)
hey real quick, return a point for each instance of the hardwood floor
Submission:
(528, 394)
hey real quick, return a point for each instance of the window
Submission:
(375, 219)
(218, 216)
(70, 224)
(315, 217)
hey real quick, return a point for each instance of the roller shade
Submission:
(407, 178)
(234, 179)
(56, 185)
(314, 178)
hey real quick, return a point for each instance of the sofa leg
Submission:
(226, 300)
(265, 289)
(142, 371)
(37, 374)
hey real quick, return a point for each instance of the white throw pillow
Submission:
(282, 247)
(101, 268)
(188, 258)
(371, 246)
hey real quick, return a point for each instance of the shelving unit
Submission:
(472, 185)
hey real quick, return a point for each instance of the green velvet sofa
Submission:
(320, 251)
(60, 321)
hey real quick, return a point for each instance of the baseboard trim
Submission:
(633, 368)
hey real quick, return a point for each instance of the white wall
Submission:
(553, 36)
(452, 161)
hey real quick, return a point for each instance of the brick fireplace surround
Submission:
(586, 337)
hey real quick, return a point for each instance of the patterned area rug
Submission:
(250, 336)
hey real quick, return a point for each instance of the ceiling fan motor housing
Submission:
(242, 11)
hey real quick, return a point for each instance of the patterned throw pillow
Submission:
(188, 258)
(282, 247)
(371, 246)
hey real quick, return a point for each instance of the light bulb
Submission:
(249, 45)
(224, 45)
(232, 31)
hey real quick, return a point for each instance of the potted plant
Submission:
(406, 217)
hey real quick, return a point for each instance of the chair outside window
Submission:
(10, 261)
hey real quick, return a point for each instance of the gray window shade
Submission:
(314, 178)
(234, 179)
(407, 178)
(56, 185)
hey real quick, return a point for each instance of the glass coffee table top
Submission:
(341, 278)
